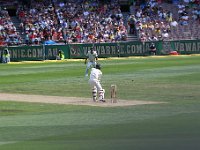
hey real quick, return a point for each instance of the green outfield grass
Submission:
(173, 125)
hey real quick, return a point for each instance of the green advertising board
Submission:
(122, 49)
(25, 53)
(42, 52)
(118, 49)
(51, 51)
(187, 47)
(183, 47)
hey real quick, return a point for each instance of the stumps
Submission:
(113, 93)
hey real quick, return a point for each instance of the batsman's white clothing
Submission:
(95, 77)
(94, 81)
(91, 61)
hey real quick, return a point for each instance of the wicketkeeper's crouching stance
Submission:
(94, 81)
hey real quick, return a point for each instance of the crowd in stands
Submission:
(8, 33)
(93, 21)
(152, 22)
(70, 22)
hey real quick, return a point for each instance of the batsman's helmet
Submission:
(98, 66)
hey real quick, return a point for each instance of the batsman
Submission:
(94, 81)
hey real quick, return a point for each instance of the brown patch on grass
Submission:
(70, 100)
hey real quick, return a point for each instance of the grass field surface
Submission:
(172, 125)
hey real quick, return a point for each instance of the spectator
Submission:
(131, 23)
(174, 23)
(195, 13)
(153, 38)
(165, 34)
(184, 18)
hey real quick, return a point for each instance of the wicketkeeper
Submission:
(94, 81)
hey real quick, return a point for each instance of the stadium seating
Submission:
(98, 21)
(152, 14)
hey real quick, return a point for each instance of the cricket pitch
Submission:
(70, 100)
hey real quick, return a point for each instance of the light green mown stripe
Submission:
(7, 142)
